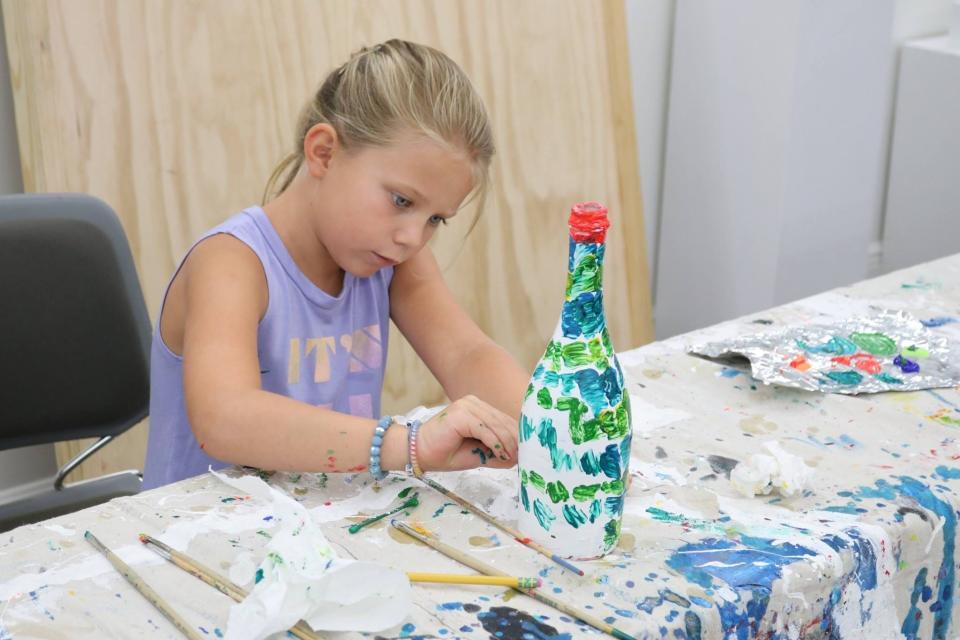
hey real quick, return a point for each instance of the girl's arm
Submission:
(457, 352)
(236, 421)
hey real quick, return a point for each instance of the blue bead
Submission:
(377, 440)
(375, 452)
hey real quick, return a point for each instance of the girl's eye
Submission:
(400, 202)
(436, 221)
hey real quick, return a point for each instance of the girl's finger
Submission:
(502, 424)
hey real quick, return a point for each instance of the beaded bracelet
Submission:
(413, 466)
(378, 433)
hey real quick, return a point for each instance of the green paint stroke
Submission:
(607, 344)
(529, 391)
(557, 492)
(847, 378)
(524, 498)
(585, 492)
(876, 343)
(576, 354)
(544, 399)
(889, 379)
(537, 480)
(915, 352)
(613, 423)
(668, 517)
(611, 533)
(947, 420)
(580, 431)
(543, 513)
(586, 276)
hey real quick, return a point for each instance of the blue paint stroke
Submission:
(837, 346)
(906, 365)
(610, 461)
(583, 315)
(948, 473)
(938, 322)
(691, 624)
(911, 622)
(543, 513)
(942, 399)
(599, 390)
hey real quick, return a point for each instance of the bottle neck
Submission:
(584, 268)
(583, 316)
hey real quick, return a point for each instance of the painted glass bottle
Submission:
(575, 421)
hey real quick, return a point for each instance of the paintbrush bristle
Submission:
(143, 538)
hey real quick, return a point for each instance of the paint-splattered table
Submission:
(868, 552)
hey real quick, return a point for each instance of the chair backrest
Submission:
(74, 329)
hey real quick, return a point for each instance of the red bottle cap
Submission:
(588, 222)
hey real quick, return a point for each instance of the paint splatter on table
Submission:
(869, 551)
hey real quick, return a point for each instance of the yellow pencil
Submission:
(222, 584)
(455, 578)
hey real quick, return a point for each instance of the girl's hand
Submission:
(467, 434)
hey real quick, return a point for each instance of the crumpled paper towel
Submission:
(780, 471)
(302, 578)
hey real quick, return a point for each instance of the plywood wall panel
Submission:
(175, 113)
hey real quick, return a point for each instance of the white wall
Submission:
(22, 467)
(774, 146)
(650, 39)
(922, 215)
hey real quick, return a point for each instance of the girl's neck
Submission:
(290, 214)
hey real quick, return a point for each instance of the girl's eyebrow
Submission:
(403, 186)
(406, 187)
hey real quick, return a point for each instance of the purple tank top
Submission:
(324, 350)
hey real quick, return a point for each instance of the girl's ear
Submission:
(319, 146)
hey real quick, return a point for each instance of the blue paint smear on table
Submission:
(510, 624)
(938, 322)
(920, 493)
(748, 565)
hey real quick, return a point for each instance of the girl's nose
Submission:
(410, 233)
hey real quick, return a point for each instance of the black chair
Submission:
(74, 342)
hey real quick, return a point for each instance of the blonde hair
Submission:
(384, 90)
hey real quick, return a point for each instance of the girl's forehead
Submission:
(423, 153)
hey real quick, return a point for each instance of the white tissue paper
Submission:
(301, 578)
(781, 471)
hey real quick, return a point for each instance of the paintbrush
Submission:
(410, 503)
(430, 539)
(145, 590)
(519, 537)
(220, 583)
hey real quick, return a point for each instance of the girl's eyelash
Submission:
(438, 220)
(405, 204)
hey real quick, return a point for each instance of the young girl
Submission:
(271, 343)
